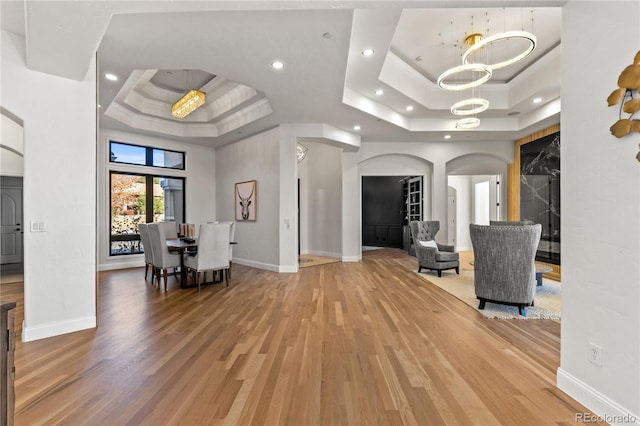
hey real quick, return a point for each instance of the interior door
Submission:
(10, 225)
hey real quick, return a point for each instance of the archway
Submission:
(12, 167)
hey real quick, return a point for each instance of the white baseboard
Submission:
(351, 258)
(57, 328)
(134, 262)
(259, 265)
(324, 253)
(607, 410)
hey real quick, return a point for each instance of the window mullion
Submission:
(149, 199)
(149, 156)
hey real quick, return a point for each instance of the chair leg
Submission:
(226, 274)
(166, 276)
(522, 310)
(458, 270)
(440, 273)
(481, 306)
(146, 270)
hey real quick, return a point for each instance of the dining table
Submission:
(182, 246)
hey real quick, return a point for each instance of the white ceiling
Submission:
(326, 79)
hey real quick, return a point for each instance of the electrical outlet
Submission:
(595, 354)
(38, 226)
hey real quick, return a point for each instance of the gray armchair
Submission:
(504, 264)
(437, 259)
(509, 222)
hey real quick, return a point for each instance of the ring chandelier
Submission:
(470, 106)
(468, 123)
(465, 68)
(477, 105)
(523, 35)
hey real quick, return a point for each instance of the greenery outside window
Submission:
(141, 198)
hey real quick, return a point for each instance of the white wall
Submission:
(600, 211)
(322, 213)
(254, 158)
(12, 147)
(200, 187)
(481, 202)
(59, 189)
(437, 154)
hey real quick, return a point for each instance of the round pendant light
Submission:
(522, 35)
(482, 68)
(469, 106)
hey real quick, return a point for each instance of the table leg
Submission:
(183, 271)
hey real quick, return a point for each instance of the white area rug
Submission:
(547, 300)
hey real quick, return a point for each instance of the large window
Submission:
(145, 156)
(137, 198)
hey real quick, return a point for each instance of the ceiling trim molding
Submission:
(136, 105)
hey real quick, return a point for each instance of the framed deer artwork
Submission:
(246, 204)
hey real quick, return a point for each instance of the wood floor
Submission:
(367, 343)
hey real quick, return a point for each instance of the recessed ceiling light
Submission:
(537, 100)
(368, 52)
(379, 92)
(447, 136)
(277, 65)
(410, 108)
(111, 77)
(356, 127)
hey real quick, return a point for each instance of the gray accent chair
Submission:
(437, 259)
(504, 264)
(509, 222)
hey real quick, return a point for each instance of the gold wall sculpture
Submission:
(627, 94)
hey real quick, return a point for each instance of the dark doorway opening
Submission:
(382, 211)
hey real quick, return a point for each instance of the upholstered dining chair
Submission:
(213, 252)
(163, 259)
(432, 255)
(504, 264)
(232, 235)
(169, 229)
(143, 229)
